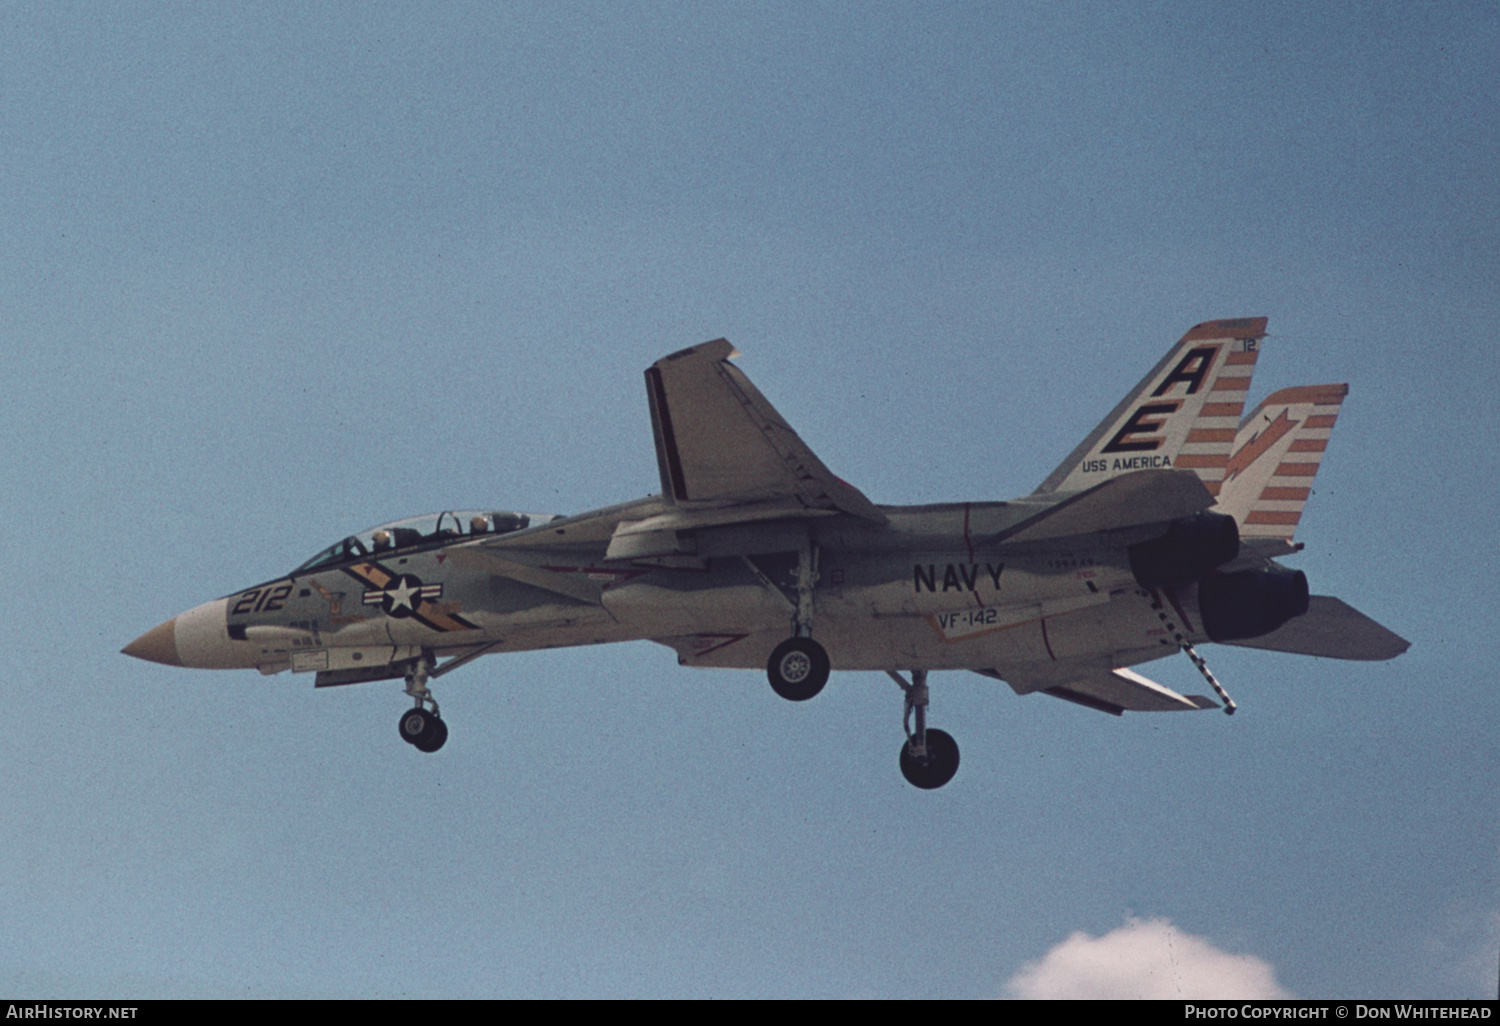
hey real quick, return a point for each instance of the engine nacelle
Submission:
(1192, 547)
(1250, 603)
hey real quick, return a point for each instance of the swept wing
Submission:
(719, 442)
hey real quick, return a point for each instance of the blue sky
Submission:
(273, 273)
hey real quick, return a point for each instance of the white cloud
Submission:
(1467, 943)
(1144, 959)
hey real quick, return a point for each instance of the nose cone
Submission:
(158, 645)
(198, 638)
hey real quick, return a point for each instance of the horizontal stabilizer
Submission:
(1130, 500)
(1111, 691)
(1334, 630)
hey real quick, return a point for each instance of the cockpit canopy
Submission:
(429, 529)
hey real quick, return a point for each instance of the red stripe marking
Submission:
(1270, 516)
(1272, 494)
(1211, 435)
(970, 543)
(1296, 470)
(1320, 394)
(1259, 444)
(730, 640)
(1193, 462)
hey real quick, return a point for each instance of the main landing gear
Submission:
(929, 757)
(423, 730)
(798, 667)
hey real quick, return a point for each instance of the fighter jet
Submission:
(1161, 531)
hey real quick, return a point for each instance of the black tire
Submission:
(798, 669)
(939, 766)
(436, 737)
(416, 726)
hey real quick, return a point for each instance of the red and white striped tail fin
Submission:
(1276, 454)
(1183, 414)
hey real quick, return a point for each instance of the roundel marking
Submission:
(403, 596)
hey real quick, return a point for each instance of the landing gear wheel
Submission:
(423, 730)
(798, 669)
(939, 765)
(438, 736)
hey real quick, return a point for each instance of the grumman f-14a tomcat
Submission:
(1161, 531)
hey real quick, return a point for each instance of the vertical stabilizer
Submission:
(1276, 453)
(1183, 414)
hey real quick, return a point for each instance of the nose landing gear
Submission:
(423, 730)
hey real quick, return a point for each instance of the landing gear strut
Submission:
(929, 757)
(798, 667)
(423, 730)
